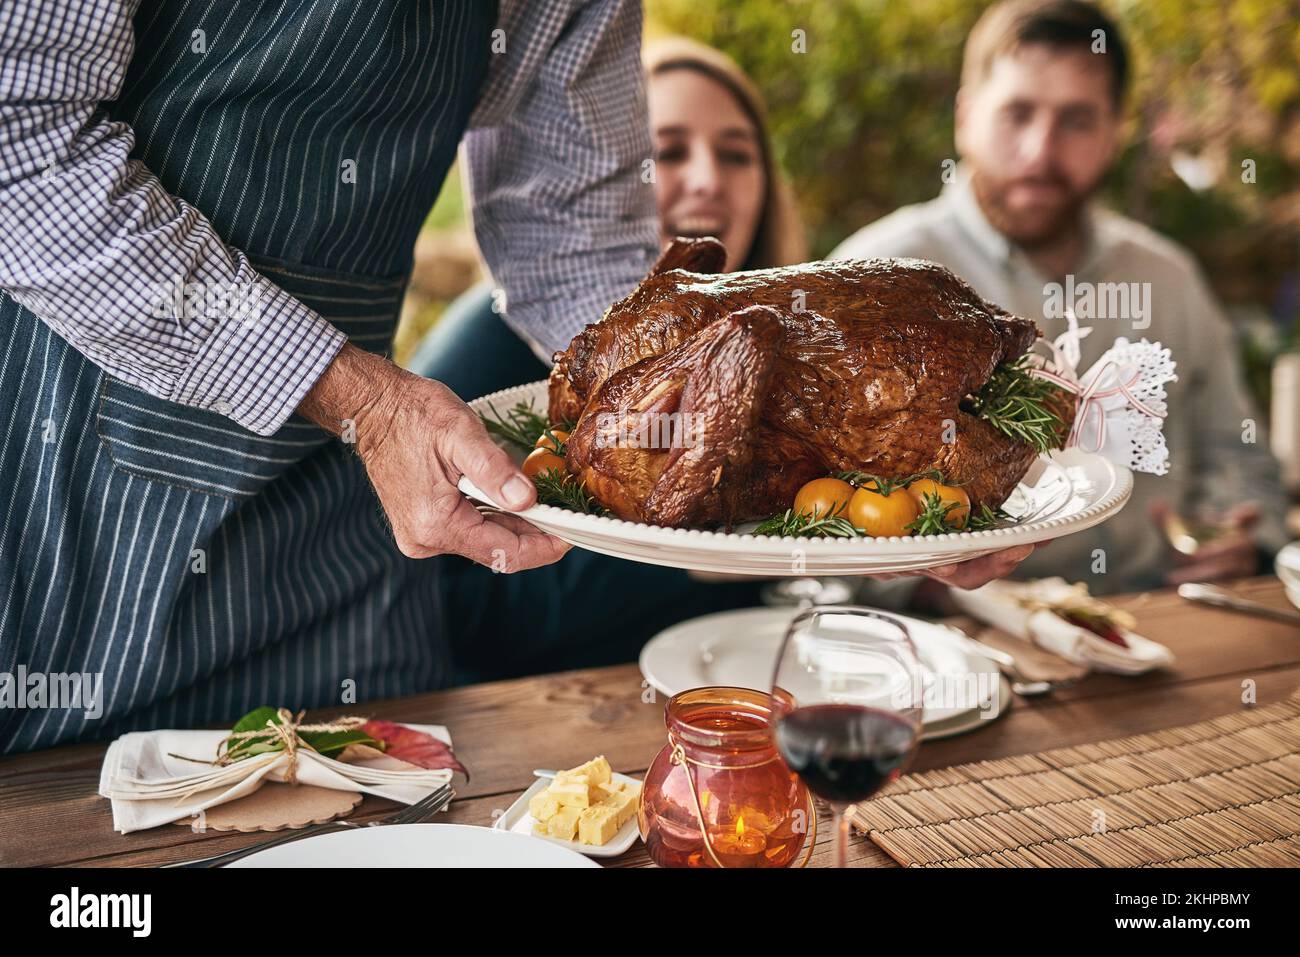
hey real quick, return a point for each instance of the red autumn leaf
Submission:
(417, 747)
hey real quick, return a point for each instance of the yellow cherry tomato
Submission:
(544, 441)
(541, 460)
(923, 487)
(878, 514)
(825, 496)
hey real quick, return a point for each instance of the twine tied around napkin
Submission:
(288, 731)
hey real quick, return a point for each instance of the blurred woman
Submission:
(714, 176)
(714, 172)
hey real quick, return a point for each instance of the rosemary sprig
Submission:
(933, 519)
(1018, 403)
(987, 518)
(559, 446)
(557, 487)
(808, 524)
(521, 425)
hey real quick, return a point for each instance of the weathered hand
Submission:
(976, 571)
(982, 570)
(416, 439)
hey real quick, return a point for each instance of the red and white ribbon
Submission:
(1088, 396)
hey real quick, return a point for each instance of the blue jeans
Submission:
(583, 611)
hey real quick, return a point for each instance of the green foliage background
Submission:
(862, 120)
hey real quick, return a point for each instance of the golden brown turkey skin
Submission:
(710, 388)
(856, 364)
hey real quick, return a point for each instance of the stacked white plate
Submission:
(739, 648)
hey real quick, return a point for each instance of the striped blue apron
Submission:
(201, 569)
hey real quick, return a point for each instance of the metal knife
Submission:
(1209, 595)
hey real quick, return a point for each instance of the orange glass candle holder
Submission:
(718, 794)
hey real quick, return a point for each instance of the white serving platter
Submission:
(1062, 494)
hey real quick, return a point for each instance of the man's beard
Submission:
(1031, 230)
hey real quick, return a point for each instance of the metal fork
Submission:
(424, 808)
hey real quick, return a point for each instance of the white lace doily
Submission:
(1121, 399)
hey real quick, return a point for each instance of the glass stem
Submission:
(843, 832)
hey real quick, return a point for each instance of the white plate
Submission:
(739, 648)
(1063, 494)
(1287, 566)
(517, 820)
(416, 845)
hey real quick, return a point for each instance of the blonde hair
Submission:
(779, 239)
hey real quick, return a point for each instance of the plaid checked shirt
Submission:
(88, 235)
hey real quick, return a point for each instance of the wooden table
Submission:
(50, 813)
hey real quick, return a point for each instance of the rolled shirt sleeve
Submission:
(135, 279)
(555, 156)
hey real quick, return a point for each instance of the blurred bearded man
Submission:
(1038, 117)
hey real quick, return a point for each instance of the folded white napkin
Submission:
(1009, 606)
(149, 787)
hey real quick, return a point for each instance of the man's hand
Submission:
(416, 439)
(1232, 554)
(980, 571)
(975, 571)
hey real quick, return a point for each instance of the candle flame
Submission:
(740, 826)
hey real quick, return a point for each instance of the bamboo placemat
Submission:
(1223, 792)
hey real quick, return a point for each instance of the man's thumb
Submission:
(488, 466)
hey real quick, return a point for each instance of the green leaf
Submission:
(256, 719)
(330, 743)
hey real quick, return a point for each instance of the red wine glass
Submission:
(856, 685)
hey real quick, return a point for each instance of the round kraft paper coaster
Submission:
(277, 807)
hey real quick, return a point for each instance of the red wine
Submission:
(845, 752)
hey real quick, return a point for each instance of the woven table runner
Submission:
(1223, 792)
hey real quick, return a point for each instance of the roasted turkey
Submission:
(770, 378)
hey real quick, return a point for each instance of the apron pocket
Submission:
(205, 451)
(194, 448)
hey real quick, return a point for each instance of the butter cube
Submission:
(597, 825)
(621, 799)
(564, 824)
(543, 805)
(571, 790)
(597, 771)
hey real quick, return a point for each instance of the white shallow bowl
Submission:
(417, 845)
(1062, 494)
